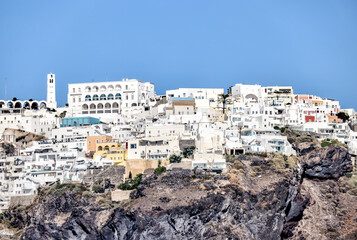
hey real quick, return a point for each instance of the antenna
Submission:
(5, 89)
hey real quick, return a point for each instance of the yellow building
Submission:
(111, 151)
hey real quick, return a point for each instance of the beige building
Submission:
(182, 106)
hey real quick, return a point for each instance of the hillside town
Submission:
(115, 130)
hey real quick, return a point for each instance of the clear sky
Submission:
(310, 45)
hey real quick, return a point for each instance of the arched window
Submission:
(110, 96)
(42, 105)
(115, 105)
(103, 97)
(26, 105)
(34, 105)
(100, 106)
(95, 97)
(88, 98)
(18, 105)
(118, 96)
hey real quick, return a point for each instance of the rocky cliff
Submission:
(261, 197)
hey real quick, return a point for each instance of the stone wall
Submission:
(21, 200)
(120, 195)
(136, 166)
(114, 174)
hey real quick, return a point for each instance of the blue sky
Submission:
(310, 45)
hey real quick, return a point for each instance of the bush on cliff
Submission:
(335, 142)
(61, 189)
(97, 188)
(131, 184)
(161, 169)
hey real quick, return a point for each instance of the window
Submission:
(118, 96)
(103, 97)
(88, 98)
(110, 96)
(95, 97)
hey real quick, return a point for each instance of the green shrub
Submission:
(334, 142)
(160, 170)
(61, 189)
(188, 151)
(131, 184)
(87, 194)
(325, 144)
(97, 188)
(175, 158)
(104, 202)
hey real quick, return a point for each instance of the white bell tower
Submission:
(51, 91)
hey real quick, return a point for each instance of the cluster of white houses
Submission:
(125, 123)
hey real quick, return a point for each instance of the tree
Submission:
(223, 98)
(175, 158)
(188, 151)
(343, 116)
(63, 114)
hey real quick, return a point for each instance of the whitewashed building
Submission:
(109, 97)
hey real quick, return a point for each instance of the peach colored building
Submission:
(333, 119)
(93, 140)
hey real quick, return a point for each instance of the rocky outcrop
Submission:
(326, 163)
(176, 205)
(261, 197)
